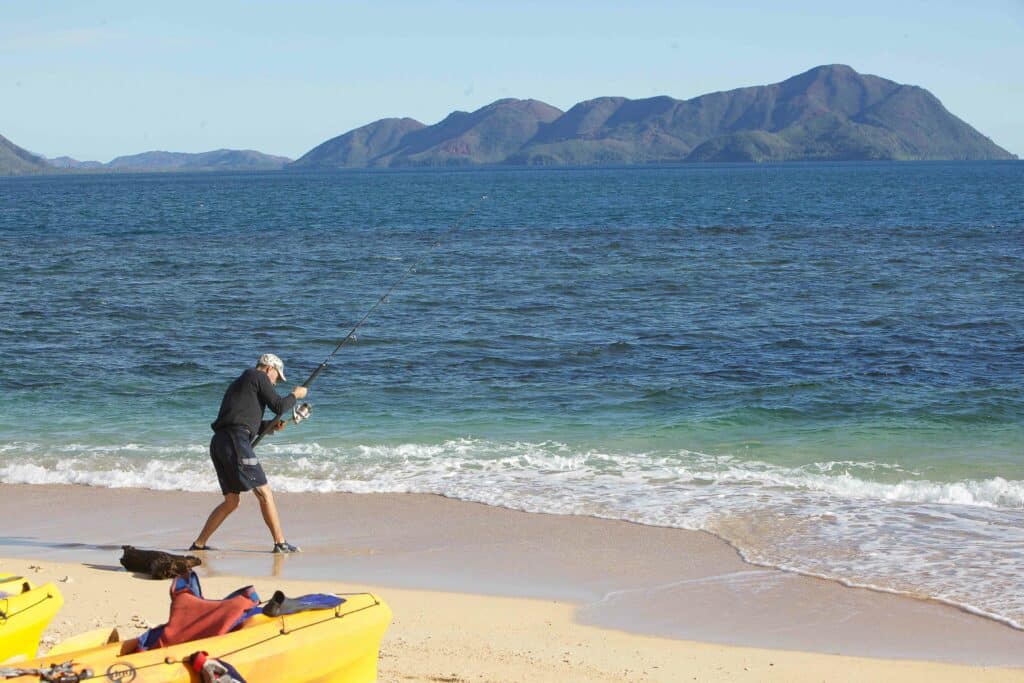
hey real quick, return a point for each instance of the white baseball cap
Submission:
(272, 361)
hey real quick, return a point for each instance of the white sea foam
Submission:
(161, 475)
(960, 541)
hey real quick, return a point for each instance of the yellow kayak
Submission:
(338, 645)
(25, 612)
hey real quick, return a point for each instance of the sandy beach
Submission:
(457, 638)
(487, 594)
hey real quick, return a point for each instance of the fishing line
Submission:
(304, 410)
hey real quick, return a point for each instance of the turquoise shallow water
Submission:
(820, 363)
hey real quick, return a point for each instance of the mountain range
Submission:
(16, 161)
(829, 113)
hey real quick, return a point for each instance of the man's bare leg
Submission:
(269, 511)
(217, 517)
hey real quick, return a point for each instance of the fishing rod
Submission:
(303, 411)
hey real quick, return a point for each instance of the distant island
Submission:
(830, 113)
(217, 160)
(16, 161)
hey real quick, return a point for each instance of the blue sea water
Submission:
(821, 363)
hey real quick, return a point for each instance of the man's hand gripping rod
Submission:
(303, 411)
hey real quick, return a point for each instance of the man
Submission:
(238, 469)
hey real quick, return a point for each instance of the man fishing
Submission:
(240, 425)
(239, 422)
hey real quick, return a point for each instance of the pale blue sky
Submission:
(101, 79)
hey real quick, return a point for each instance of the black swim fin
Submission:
(279, 604)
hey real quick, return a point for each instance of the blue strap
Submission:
(246, 615)
(232, 671)
(150, 637)
(190, 583)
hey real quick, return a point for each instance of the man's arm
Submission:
(269, 396)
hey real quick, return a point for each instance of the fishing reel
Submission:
(301, 412)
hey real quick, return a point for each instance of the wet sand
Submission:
(603, 579)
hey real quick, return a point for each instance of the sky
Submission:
(97, 80)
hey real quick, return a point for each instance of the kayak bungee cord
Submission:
(303, 411)
(4, 616)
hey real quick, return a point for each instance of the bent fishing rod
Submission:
(303, 411)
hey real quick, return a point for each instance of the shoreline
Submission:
(853, 585)
(623, 577)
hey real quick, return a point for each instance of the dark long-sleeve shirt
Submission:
(245, 400)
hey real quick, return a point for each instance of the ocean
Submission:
(823, 364)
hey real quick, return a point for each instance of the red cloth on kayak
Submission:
(193, 617)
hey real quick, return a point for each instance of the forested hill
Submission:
(16, 161)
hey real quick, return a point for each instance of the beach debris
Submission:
(156, 563)
(35, 567)
(65, 579)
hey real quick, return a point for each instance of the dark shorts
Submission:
(238, 468)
